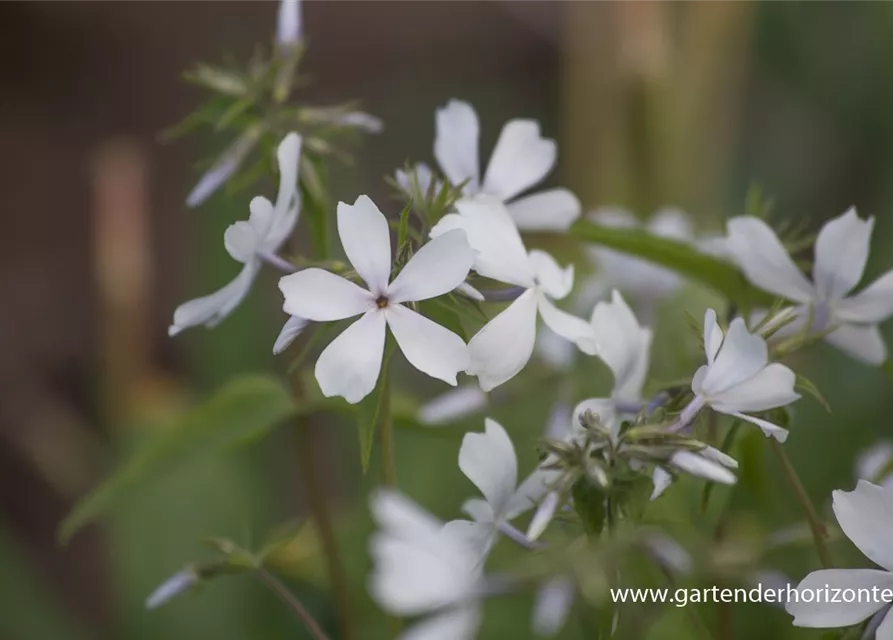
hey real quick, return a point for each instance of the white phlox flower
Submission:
(709, 463)
(488, 459)
(289, 23)
(873, 464)
(866, 517)
(739, 378)
(504, 346)
(266, 229)
(453, 405)
(350, 365)
(172, 587)
(521, 159)
(841, 252)
(552, 605)
(425, 568)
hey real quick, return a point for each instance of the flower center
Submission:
(382, 302)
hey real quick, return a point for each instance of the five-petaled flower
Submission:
(350, 365)
(522, 158)
(264, 232)
(841, 251)
(503, 346)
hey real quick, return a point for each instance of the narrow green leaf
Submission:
(369, 409)
(805, 384)
(679, 257)
(444, 314)
(243, 411)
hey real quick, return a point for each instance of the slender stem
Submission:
(815, 524)
(308, 453)
(388, 458)
(294, 604)
(518, 537)
(277, 262)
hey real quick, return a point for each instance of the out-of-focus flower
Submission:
(422, 567)
(738, 376)
(624, 347)
(350, 365)
(264, 232)
(553, 602)
(224, 168)
(423, 175)
(172, 587)
(866, 517)
(290, 330)
(841, 251)
(453, 405)
(504, 346)
(522, 159)
(708, 463)
(289, 25)
(873, 462)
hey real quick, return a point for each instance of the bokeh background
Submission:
(653, 103)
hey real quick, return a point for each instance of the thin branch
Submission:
(294, 604)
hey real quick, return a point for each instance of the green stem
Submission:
(294, 604)
(815, 524)
(388, 458)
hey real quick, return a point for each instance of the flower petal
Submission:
(624, 346)
(551, 210)
(702, 467)
(763, 258)
(568, 326)
(212, 309)
(437, 268)
(860, 341)
(456, 143)
(866, 516)
(770, 388)
(241, 241)
(670, 222)
(488, 459)
(769, 429)
(399, 516)
(289, 23)
(224, 167)
(552, 605)
(521, 159)
(427, 346)
(542, 516)
(453, 405)
(350, 365)
(504, 345)
(661, 479)
(453, 624)
(712, 336)
(872, 304)
(491, 232)
(741, 356)
(819, 613)
(531, 491)
(841, 251)
(321, 296)
(288, 201)
(367, 242)
(290, 330)
(554, 280)
(871, 462)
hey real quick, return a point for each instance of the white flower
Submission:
(552, 605)
(423, 567)
(873, 461)
(488, 459)
(738, 376)
(866, 517)
(452, 405)
(624, 347)
(172, 587)
(520, 160)
(223, 169)
(708, 463)
(503, 346)
(841, 251)
(289, 24)
(350, 365)
(292, 328)
(263, 233)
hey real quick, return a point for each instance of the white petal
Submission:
(554, 280)
(602, 407)
(241, 241)
(521, 159)
(558, 424)
(429, 347)
(504, 345)
(866, 516)
(173, 586)
(761, 256)
(552, 605)
(437, 268)
(211, 310)
(702, 467)
(770, 388)
(670, 222)
(321, 296)
(288, 24)
(862, 342)
(552, 210)
(531, 491)
(823, 614)
(491, 232)
(872, 304)
(567, 326)
(712, 335)
(456, 143)
(453, 405)
(290, 330)
(741, 356)
(479, 510)
(360, 120)
(769, 429)
(455, 624)
(398, 515)
(423, 176)
(624, 346)
(841, 251)
(661, 479)
(229, 161)
(488, 459)
(470, 292)
(288, 200)
(542, 516)
(874, 460)
(350, 365)
(367, 242)
(555, 351)
(716, 455)
(884, 630)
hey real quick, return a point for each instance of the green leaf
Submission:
(679, 257)
(243, 411)
(589, 503)
(444, 314)
(805, 384)
(369, 410)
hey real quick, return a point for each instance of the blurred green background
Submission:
(685, 104)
